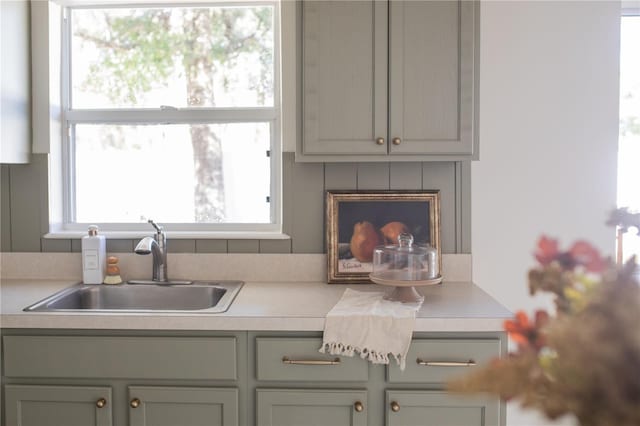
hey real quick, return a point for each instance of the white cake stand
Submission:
(404, 291)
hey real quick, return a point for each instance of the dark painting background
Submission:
(414, 214)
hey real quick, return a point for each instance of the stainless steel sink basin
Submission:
(197, 296)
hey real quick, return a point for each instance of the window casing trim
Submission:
(65, 227)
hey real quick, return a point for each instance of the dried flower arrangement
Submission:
(585, 359)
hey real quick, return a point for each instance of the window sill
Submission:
(225, 235)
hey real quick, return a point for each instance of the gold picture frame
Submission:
(356, 221)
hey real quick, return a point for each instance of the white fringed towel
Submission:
(363, 322)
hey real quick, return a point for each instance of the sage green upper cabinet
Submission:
(15, 78)
(388, 80)
(344, 78)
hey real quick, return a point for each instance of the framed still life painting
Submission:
(359, 221)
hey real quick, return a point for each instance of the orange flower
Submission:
(526, 333)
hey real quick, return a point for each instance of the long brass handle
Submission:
(396, 141)
(380, 141)
(469, 363)
(287, 360)
(358, 406)
(101, 403)
(135, 403)
(395, 407)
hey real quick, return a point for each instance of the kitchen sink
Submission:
(183, 296)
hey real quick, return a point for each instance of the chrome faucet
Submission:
(157, 245)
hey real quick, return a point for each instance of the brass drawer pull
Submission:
(135, 403)
(358, 406)
(396, 141)
(334, 361)
(469, 363)
(395, 407)
(101, 403)
(380, 141)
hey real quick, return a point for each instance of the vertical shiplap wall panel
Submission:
(56, 246)
(405, 176)
(29, 185)
(211, 246)
(340, 176)
(119, 246)
(288, 163)
(307, 227)
(76, 246)
(244, 246)
(464, 207)
(275, 246)
(175, 245)
(373, 176)
(442, 176)
(5, 209)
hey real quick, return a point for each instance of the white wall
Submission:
(548, 140)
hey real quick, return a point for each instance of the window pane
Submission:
(178, 56)
(629, 140)
(180, 173)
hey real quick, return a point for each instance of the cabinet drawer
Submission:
(297, 407)
(130, 357)
(298, 359)
(436, 360)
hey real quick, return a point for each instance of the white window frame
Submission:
(628, 8)
(51, 134)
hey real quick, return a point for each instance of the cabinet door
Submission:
(171, 406)
(344, 77)
(431, 77)
(311, 407)
(15, 79)
(432, 408)
(34, 405)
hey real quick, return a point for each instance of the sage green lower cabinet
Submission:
(124, 378)
(34, 405)
(298, 386)
(188, 406)
(311, 407)
(433, 408)
(60, 377)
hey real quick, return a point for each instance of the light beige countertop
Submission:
(282, 306)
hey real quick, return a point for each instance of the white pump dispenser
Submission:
(94, 257)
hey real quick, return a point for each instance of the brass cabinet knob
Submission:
(380, 141)
(395, 407)
(358, 406)
(396, 141)
(101, 403)
(135, 403)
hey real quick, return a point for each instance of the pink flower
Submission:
(585, 254)
(547, 250)
(581, 253)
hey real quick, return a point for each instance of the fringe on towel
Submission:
(372, 356)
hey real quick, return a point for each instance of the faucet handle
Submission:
(158, 227)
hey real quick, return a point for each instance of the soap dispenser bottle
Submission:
(94, 257)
